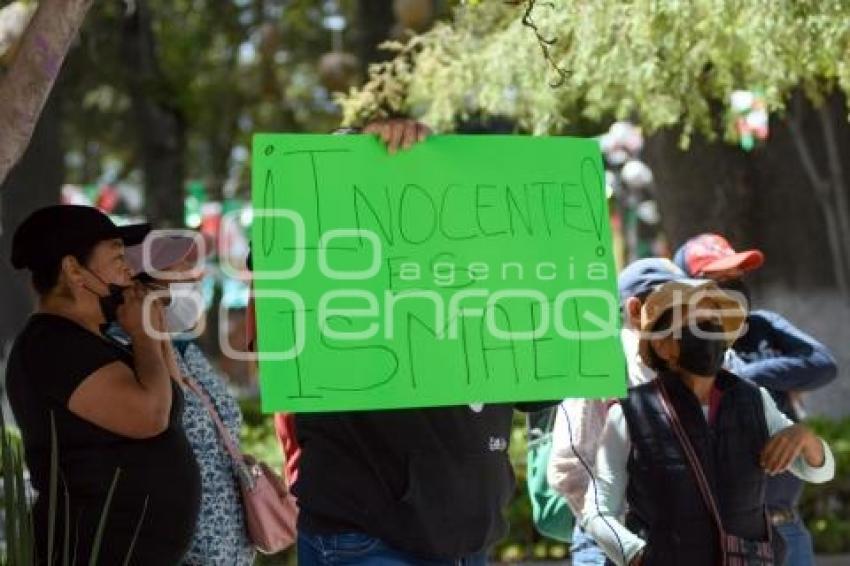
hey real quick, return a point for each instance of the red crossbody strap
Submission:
(695, 465)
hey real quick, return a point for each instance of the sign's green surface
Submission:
(467, 269)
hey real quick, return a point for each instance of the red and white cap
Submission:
(711, 253)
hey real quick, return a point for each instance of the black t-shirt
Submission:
(432, 482)
(158, 482)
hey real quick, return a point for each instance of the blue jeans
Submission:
(584, 551)
(799, 550)
(356, 549)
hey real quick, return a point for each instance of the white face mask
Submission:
(186, 307)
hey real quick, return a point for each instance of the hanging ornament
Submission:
(636, 174)
(622, 141)
(648, 213)
(74, 194)
(196, 196)
(268, 39)
(414, 14)
(628, 136)
(338, 71)
(211, 219)
(749, 111)
(107, 199)
(610, 184)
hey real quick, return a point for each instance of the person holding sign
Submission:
(689, 452)
(400, 487)
(396, 134)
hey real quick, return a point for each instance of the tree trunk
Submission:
(25, 88)
(835, 201)
(762, 199)
(159, 123)
(787, 205)
(708, 187)
(825, 184)
(375, 19)
(34, 182)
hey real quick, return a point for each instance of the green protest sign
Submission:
(467, 269)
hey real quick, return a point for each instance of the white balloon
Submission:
(648, 212)
(741, 100)
(636, 174)
(617, 156)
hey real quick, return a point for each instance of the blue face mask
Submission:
(702, 355)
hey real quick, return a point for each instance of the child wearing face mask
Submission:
(172, 266)
(694, 418)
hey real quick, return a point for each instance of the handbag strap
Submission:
(223, 433)
(226, 439)
(694, 462)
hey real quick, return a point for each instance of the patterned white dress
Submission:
(220, 536)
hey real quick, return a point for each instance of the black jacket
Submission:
(430, 482)
(665, 505)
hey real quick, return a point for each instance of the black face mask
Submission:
(109, 303)
(702, 356)
(738, 286)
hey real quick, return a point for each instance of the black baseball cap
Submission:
(53, 232)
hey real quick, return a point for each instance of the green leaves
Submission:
(18, 522)
(826, 507)
(101, 525)
(664, 62)
(18, 530)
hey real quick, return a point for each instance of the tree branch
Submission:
(25, 87)
(544, 43)
(802, 147)
(822, 190)
(836, 172)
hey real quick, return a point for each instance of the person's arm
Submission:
(26, 85)
(575, 439)
(605, 500)
(132, 403)
(804, 364)
(794, 447)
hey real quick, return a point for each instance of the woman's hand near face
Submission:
(138, 396)
(130, 314)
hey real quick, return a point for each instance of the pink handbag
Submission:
(271, 511)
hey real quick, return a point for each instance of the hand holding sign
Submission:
(399, 133)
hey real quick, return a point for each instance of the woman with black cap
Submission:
(115, 413)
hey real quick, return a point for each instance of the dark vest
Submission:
(665, 505)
